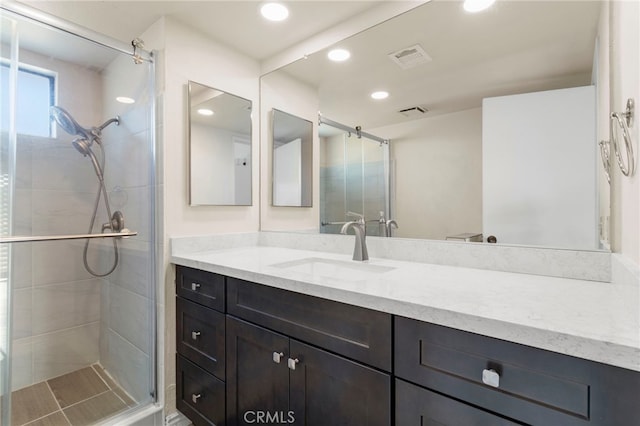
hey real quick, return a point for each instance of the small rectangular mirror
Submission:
(219, 148)
(292, 160)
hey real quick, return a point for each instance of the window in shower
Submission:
(36, 93)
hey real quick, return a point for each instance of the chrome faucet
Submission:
(390, 225)
(360, 250)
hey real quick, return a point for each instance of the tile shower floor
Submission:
(80, 398)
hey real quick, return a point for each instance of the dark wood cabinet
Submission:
(269, 374)
(253, 354)
(518, 382)
(416, 406)
(358, 333)
(199, 395)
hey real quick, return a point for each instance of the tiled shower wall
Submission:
(65, 319)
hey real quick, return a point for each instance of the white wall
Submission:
(184, 55)
(438, 174)
(282, 92)
(625, 83)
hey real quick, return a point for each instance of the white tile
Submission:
(21, 275)
(129, 366)
(21, 321)
(135, 205)
(134, 269)
(21, 364)
(59, 353)
(22, 212)
(128, 165)
(62, 306)
(129, 316)
(64, 212)
(58, 166)
(61, 261)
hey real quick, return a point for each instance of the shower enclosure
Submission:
(77, 226)
(354, 177)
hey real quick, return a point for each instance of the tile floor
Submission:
(80, 398)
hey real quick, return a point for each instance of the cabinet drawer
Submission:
(416, 406)
(357, 333)
(199, 395)
(205, 288)
(535, 386)
(201, 336)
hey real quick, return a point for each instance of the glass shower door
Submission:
(77, 314)
(354, 177)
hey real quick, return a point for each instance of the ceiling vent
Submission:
(413, 112)
(409, 57)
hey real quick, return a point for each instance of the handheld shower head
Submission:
(68, 124)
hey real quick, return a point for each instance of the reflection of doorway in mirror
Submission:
(287, 169)
(242, 156)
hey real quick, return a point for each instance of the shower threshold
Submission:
(80, 398)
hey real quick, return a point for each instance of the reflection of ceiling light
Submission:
(380, 95)
(339, 55)
(274, 11)
(477, 5)
(125, 100)
(205, 111)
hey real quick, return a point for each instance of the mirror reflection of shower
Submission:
(83, 143)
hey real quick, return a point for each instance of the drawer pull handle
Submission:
(195, 334)
(491, 377)
(195, 398)
(195, 286)
(277, 356)
(291, 363)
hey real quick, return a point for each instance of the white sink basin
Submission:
(336, 269)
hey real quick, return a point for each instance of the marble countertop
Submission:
(591, 320)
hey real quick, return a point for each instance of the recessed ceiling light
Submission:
(205, 111)
(339, 55)
(477, 5)
(380, 95)
(125, 100)
(274, 11)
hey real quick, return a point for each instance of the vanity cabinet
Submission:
(250, 354)
(273, 375)
(200, 343)
(511, 381)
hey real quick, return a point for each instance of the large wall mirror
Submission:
(455, 80)
(292, 156)
(219, 147)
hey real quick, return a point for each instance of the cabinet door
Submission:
(256, 383)
(199, 395)
(200, 334)
(416, 406)
(327, 389)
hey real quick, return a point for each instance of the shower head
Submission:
(82, 145)
(66, 121)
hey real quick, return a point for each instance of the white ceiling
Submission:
(514, 47)
(238, 24)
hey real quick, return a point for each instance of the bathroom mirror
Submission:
(219, 147)
(292, 156)
(438, 64)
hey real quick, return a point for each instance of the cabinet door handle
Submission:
(195, 286)
(195, 334)
(491, 377)
(291, 363)
(195, 397)
(277, 356)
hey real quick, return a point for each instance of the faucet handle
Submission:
(358, 215)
